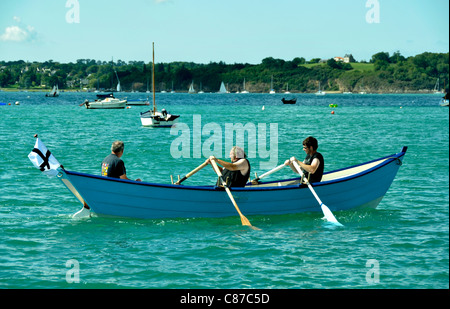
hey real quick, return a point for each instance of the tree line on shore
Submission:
(384, 73)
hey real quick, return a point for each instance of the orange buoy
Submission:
(332, 112)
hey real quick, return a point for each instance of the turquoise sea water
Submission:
(402, 244)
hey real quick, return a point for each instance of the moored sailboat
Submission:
(153, 118)
(320, 92)
(222, 88)
(272, 91)
(245, 90)
(191, 88)
(54, 93)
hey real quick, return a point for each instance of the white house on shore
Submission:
(345, 59)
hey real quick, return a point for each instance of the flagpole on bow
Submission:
(43, 159)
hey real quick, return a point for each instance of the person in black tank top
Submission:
(236, 173)
(313, 165)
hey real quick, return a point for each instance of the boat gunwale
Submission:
(387, 160)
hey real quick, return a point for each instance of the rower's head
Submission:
(117, 148)
(237, 153)
(310, 145)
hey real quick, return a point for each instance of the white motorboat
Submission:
(107, 103)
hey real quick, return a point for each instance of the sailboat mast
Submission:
(153, 80)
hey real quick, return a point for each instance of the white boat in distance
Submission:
(287, 89)
(436, 89)
(320, 92)
(222, 88)
(107, 103)
(191, 88)
(245, 90)
(153, 118)
(54, 93)
(272, 91)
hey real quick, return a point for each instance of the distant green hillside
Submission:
(384, 74)
(365, 67)
(354, 65)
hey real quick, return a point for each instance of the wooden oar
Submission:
(191, 173)
(276, 169)
(244, 220)
(326, 211)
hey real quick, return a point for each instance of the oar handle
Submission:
(191, 173)
(276, 169)
(218, 172)
(299, 170)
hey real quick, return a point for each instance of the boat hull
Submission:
(158, 120)
(137, 102)
(292, 101)
(355, 187)
(107, 104)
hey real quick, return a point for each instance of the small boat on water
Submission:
(272, 91)
(444, 101)
(222, 88)
(153, 118)
(291, 101)
(158, 119)
(191, 88)
(320, 92)
(139, 102)
(358, 186)
(107, 103)
(245, 90)
(53, 93)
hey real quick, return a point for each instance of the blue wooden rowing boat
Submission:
(362, 185)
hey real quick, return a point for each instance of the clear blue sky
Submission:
(233, 31)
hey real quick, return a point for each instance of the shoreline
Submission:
(178, 92)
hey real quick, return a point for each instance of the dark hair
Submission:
(311, 141)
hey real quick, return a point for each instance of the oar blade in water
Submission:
(245, 221)
(329, 215)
